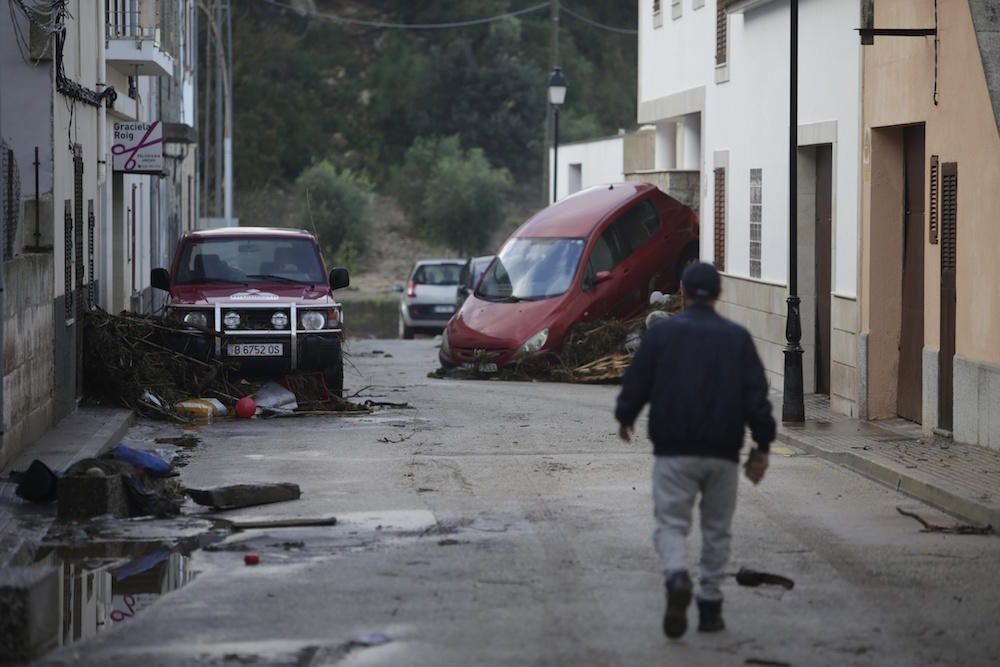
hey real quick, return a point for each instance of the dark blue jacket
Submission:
(703, 380)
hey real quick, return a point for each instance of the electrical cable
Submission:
(407, 26)
(596, 24)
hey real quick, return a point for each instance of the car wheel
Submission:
(333, 375)
(405, 332)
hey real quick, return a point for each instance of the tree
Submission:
(336, 205)
(465, 201)
(486, 95)
(408, 183)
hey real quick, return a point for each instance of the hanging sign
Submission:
(137, 148)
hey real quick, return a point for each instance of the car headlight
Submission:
(535, 343)
(279, 320)
(313, 320)
(334, 318)
(232, 320)
(445, 348)
(196, 319)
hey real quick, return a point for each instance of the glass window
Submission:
(638, 224)
(438, 274)
(250, 260)
(531, 269)
(602, 257)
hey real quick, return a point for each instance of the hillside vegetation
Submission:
(358, 101)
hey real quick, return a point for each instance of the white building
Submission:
(586, 163)
(87, 232)
(714, 82)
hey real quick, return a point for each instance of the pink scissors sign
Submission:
(122, 149)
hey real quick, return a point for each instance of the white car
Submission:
(429, 301)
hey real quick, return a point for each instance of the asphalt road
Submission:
(505, 524)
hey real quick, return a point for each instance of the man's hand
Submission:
(624, 432)
(756, 466)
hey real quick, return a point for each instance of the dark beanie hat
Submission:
(701, 281)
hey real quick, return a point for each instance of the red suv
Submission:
(266, 291)
(594, 255)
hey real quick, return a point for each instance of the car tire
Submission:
(333, 375)
(405, 332)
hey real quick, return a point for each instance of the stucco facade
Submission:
(583, 164)
(99, 232)
(720, 110)
(939, 87)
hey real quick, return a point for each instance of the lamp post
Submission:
(557, 95)
(793, 402)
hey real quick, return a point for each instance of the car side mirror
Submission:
(339, 278)
(160, 279)
(602, 277)
(463, 290)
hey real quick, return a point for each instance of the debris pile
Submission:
(163, 369)
(591, 353)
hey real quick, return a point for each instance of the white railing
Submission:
(132, 19)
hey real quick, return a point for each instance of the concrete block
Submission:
(863, 410)
(844, 348)
(931, 418)
(844, 381)
(30, 612)
(245, 495)
(969, 402)
(82, 497)
(844, 313)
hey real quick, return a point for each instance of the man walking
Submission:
(704, 382)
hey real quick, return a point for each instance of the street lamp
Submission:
(557, 95)
(793, 401)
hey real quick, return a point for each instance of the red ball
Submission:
(245, 408)
(251, 559)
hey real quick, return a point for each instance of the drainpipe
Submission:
(3, 314)
(102, 144)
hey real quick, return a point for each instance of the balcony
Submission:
(133, 44)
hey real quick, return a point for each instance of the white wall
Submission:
(747, 115)
(600, 161)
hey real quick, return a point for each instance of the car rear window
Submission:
(438, 274)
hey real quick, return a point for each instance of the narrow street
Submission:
(505, 524)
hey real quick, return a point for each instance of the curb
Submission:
(108, 435)
(906, 482)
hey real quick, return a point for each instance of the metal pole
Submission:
(793, 401)
(555, 153)
(228, 141)
(220, 88)
(38, 205)
(554, 10)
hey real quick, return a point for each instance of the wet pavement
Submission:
(502, 524)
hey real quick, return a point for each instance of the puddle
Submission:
(108, 583)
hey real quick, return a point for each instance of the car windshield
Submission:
(438, 274)
(531, 269)
(250, 260)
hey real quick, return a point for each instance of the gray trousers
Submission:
(677, 481)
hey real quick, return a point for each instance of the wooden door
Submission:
(824, 257)
(949, 266)
(909, 397)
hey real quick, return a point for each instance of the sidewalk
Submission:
(963, 480)
(84, 433)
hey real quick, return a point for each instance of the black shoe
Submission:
(710, 616)
(678, 600)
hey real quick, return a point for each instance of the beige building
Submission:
(929, 348)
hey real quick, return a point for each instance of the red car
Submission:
(269, 295)
(594, 255)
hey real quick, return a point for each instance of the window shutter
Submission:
(721, 35)
(720, 218)
(949, 215)
(932, 234)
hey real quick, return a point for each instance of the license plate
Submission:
(482, 368)
(444, 309)
(255, 349)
